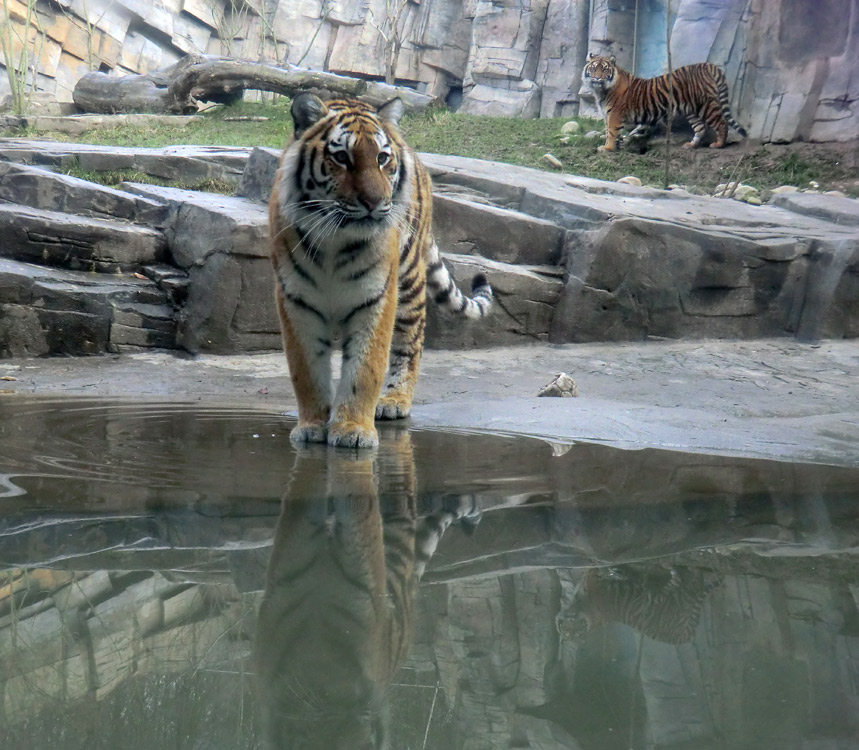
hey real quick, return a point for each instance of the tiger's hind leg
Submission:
(698, 128)
(721, 128)
(395, 401)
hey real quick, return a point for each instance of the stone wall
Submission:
(792, 64)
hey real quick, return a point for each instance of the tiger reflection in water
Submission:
(662, 603)
(338, 611)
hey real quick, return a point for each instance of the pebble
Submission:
(552, 161)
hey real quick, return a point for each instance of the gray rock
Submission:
(464, 227)
(521, 100)
(40, 188)
(77, 243)
(258, 175)
(21, 332)
(185, 163)
(829, 207)
(230, 306)
(563, 49)
(52, 311)
(644, 278)
(200, 224)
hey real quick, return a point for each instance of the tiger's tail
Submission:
(725, 106)
(446, 293)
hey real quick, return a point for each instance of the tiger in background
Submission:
(350, 222)
(698, 91)
(338, 611)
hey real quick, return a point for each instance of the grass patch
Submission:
(522, 142)
(114, 177)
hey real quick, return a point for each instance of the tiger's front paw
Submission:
(352, 435)
(309, 432)
(391, 407)
(601, 149)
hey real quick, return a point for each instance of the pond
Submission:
(180, 576)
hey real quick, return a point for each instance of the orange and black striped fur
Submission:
(662, 603)
(699, 91)
(338, 612)
(354, 259)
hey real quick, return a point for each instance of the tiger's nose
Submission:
(370, 203)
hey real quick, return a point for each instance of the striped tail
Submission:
(446, 293)
(725, 106)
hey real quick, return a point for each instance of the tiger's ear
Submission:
(392, 111)
(591, 55)
(612, 59)
(306, 110)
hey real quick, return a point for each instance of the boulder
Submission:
(643, 278)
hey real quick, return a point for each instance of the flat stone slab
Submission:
(187, 163)
(200, 224)
(465, 227)
(574, 202)
(828, 207)
(77, 242)
(40, 188)
(79, 124)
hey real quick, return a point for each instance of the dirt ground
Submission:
(762, 165)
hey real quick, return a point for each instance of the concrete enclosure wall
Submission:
(793, 65)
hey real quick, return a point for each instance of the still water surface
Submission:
(181, 577)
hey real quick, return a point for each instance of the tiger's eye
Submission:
(383, 158)
(341, 157)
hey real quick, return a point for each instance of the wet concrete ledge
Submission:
(777, 399)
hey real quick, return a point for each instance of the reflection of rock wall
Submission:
(508, 675)
(510, 57)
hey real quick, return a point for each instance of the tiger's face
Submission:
(348, 170)
(600, 73)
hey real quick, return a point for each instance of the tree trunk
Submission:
(195, 78)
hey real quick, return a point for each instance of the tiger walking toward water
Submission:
(354, 260)
(698, 91)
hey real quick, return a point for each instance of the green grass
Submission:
(114, 177)
(522, 142)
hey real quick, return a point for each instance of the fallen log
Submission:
(198, 78)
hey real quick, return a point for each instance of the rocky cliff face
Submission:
(793, 65)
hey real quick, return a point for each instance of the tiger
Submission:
(698, 91)
(663, 604)
(350, 226)
(339, 606)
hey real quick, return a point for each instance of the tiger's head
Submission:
(346, 168)
(600, 73)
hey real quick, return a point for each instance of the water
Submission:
(181, 577)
